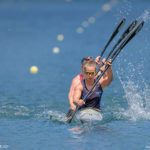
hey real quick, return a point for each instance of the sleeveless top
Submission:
(94, 99)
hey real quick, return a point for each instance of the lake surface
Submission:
(55, 36)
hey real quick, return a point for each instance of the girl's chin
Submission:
(90, 79)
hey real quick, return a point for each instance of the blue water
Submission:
(32, 106)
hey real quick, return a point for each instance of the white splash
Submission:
(138, 100)
(145, 16)
(55, 116)
(12, 110)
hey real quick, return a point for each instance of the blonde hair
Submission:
(88, 62)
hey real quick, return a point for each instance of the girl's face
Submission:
(89, 72)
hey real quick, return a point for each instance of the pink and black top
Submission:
(94, 99)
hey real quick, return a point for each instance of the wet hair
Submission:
(87, 61)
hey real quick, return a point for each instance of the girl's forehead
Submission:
(90, 68)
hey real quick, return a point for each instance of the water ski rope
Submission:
(114, 55)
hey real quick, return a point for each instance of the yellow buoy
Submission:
(34, 69)
(60, 37)
(56, 50)
(106, 7)
(80, 30)
(91, 20)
